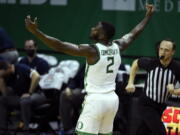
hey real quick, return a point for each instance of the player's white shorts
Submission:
(98, 114)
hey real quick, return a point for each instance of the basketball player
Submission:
(103, 60)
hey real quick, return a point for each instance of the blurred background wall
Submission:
(71, 20)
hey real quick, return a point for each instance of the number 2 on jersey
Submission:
(108, 69)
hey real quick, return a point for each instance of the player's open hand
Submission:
(130, 88)
(31, 25)
(150, 9)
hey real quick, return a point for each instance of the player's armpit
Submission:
(90, 52)
(124, 41)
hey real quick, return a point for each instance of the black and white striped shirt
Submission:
(158, 77)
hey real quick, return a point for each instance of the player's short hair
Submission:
(109, 29)
(4, 65)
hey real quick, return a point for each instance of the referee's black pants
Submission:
(151, 113)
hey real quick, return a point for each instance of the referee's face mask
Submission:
(165, 50)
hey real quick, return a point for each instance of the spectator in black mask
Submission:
(42, 67)
(32, 59)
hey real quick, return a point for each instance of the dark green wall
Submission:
(73, 21)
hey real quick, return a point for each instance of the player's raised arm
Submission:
(131, 36)
(56, 44)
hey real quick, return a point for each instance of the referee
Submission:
(162, 75)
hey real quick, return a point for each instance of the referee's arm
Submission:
(134, 68)
(172, 90)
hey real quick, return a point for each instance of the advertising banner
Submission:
(171, 119)
(71, 20)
